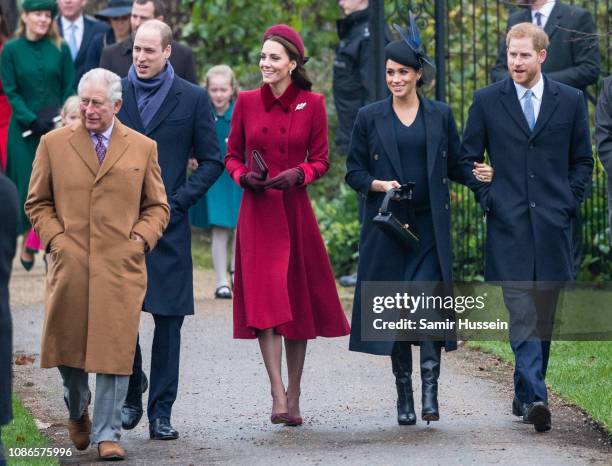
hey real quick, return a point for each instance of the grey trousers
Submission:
(110, 395)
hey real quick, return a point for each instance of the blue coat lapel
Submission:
(168, 105)
(433, 123)
(550, 101)
(384, 127)
(512, 105)
(131, 108)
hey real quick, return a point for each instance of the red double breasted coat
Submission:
(283, 277)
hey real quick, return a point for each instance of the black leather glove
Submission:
(253, 181)
(286, 179)
(40, 127)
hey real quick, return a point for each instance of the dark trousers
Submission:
(532, 314)
(164, 377)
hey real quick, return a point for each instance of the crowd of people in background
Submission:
(206, 155)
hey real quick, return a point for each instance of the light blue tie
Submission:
(72, 43)
(528, 109)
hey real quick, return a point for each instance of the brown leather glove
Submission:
(286, 179)
(253, 181)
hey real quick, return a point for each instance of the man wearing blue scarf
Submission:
(176, 114)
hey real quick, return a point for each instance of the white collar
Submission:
(538, 89)
(546, 9)
(106, 134)
(79, 22)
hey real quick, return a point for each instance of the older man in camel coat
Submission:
(98, 203)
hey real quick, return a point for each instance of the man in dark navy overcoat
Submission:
(177, 115)
(8, 240)
(536, 133)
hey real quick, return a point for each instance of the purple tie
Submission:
(100, 148)
(538, 17)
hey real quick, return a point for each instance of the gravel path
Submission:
(348, 400)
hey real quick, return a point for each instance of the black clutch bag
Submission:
(262, 168)
(390, 225)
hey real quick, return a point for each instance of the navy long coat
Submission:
(8, 238)
(373, 154)
(539, 182)
(183, 125)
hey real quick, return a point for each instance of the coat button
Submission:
(375, 156)
(443, 180)
(281, 150)
(264, 130)
(531, 175)
(446, 206)
(532, 204)
(443, 154)
(531, 146)
(283, 130)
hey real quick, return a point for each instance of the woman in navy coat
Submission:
(406, 138)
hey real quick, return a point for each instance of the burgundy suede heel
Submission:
(294, 421)
(280, 418)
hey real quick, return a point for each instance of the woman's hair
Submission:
(226, 72)
(299, 75)
(53, 33)
(71, 105)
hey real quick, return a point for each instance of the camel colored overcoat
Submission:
(84, 214)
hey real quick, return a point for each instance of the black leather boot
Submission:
(430, 371)
(401, 361)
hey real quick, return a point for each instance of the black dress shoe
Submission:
(518, 409)
(130, 416)
(538, 414)
(160, 429)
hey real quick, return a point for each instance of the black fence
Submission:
(469, 38)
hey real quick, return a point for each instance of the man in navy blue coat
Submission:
(177, 115)
(78, 30)
(536, 133)
(8, 239)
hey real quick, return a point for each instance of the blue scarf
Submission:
(150, 93)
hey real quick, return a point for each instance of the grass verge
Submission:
(23, 433)
(579, 371)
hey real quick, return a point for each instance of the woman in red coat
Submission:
(284, 286)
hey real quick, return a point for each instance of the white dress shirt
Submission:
(105, 136)
(536, 99)
(80, 28)
(544, 11)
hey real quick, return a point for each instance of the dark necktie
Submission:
(100, 148)
(538, 17)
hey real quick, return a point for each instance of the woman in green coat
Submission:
(37, 75)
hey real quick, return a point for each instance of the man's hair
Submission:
(522, 30)
(106, 77)
(159, 8)
(162, 28)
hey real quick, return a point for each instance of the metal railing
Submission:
(464, 35)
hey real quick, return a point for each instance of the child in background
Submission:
(70, 111)
(219, 208)
(69, 115)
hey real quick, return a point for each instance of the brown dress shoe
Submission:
(80, 430)
(110, 451)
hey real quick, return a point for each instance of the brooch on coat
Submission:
(300, 106)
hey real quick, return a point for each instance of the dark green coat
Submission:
(35, 75)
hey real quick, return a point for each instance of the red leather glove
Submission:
(286, 179)
(253, 181)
